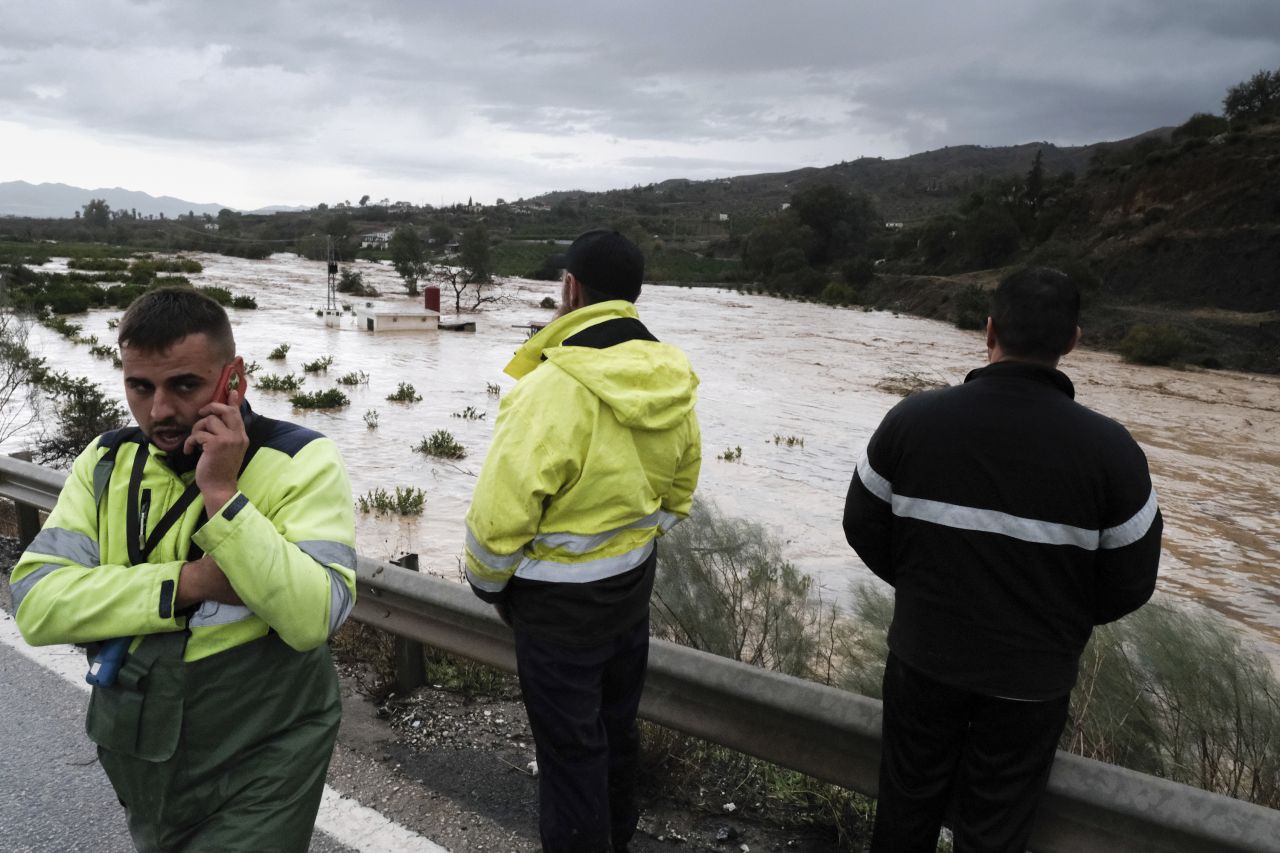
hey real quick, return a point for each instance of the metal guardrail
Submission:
(1089, 807)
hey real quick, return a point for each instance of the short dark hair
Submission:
(1035, 312)
(606, 264)
(160, 318)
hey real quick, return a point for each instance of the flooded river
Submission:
(768, 368)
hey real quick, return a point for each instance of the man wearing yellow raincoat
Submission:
(595, 454)
(216, 547)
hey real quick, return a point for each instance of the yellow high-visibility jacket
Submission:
(286, 542)
(595, 453)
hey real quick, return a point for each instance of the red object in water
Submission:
(431, 298)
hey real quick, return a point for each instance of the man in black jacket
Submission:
(1010, 520)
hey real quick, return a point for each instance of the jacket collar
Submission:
(530, 355)
(1025, 370)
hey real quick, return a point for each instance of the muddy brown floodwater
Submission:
(768, 368)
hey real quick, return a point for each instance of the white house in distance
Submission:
(384, 319)
(375, 240)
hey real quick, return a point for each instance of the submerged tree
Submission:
(407, 257)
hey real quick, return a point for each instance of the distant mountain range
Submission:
(61, 201)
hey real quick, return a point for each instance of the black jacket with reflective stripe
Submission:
(1010, 520)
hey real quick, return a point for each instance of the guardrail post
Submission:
(27, 515)
(410, 661)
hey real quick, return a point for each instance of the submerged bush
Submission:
(441, 443)
(275, 382)
(404, 501)
(320, 365)
(405, 393)
(330, 398)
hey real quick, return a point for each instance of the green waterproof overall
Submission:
(218, 731)
(199, 769)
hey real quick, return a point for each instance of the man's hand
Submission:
(222, 440)
(203, 580)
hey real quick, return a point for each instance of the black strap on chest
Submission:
(140, 546)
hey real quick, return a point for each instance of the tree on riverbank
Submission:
(823, 226)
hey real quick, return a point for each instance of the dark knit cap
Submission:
(606, 262)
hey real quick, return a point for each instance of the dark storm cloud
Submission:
(394, 82)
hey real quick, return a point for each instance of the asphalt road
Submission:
(54, 797)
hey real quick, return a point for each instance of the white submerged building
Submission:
(383, 319)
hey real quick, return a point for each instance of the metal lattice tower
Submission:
(332, 304)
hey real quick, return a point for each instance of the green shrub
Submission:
(547, 302)
(1174, 691)
(405, 393)
(61, 325)
(371, 418)
(275, 382)
(244, 302)
(320, 365)
(1152, 344)
(970, 307)
(330, 398)
(470, 414)
(83, 412)
(404, 501)
(724, 587)
(279, 353)
(1201, 126)
(358, 377)
(838, 293)
(218, 294)
(66, 300)
(98, 264)
(441, 443)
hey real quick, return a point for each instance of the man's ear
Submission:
(991, 335)
(573, 291)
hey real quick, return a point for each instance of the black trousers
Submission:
(991, 755)
(582, 704)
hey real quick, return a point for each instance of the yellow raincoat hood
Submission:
(648, 385)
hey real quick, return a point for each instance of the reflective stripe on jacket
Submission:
(286, 542)
(595, 454)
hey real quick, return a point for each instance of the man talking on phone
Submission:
(203, 558)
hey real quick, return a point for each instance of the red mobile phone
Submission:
(232, 379)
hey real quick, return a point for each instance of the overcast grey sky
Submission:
(256, 103)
